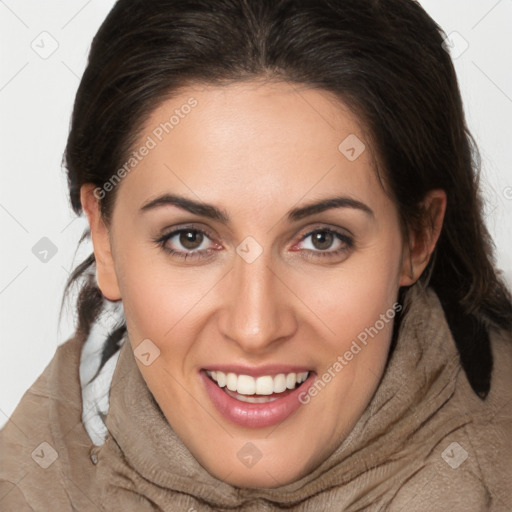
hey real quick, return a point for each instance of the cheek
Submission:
(351, 298)
(160, 299)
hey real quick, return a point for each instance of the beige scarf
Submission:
(425, 442)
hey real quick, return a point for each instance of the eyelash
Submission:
(161, 242)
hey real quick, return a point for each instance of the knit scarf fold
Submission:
(141, 454)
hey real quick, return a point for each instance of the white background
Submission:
(36, 97)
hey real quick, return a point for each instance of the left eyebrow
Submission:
(212, 212)
(327, 204)
(198, 208)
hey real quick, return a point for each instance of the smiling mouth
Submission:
(258, 390)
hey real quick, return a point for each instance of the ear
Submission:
(105, 270)
(422, 242)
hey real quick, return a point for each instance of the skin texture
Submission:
(256, 151)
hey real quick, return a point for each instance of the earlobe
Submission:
(105, 269)
(421, 244)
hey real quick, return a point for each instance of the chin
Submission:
(261, 464)
(260, 476)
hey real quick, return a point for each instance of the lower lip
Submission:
(255, 415)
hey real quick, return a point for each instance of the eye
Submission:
(326, 242)
(187, 243)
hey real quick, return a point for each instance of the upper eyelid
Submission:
(166, 234)
(339, 231)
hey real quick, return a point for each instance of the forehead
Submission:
(254, 114)
(263, 139)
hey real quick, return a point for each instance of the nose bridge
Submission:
(258, 312)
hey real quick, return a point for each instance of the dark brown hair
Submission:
(384, 59)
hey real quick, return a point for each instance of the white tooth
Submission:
(214, 375)
(279, 383)
(302, 376)
(265, 385)
(291, 380)
(246, 385)
(221, 379)
(231, 381)
(209, 373)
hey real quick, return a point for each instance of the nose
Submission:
(258, 308)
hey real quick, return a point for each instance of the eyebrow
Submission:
(212, 212)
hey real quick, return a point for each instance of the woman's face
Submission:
(226, 267)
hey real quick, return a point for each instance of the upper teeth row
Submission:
(264, 385)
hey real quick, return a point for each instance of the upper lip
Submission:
(257, 371)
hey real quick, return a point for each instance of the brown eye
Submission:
(322, 240)
(191, 239)
(325, 243)
(188, 244)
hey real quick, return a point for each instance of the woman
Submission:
(292, 302)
